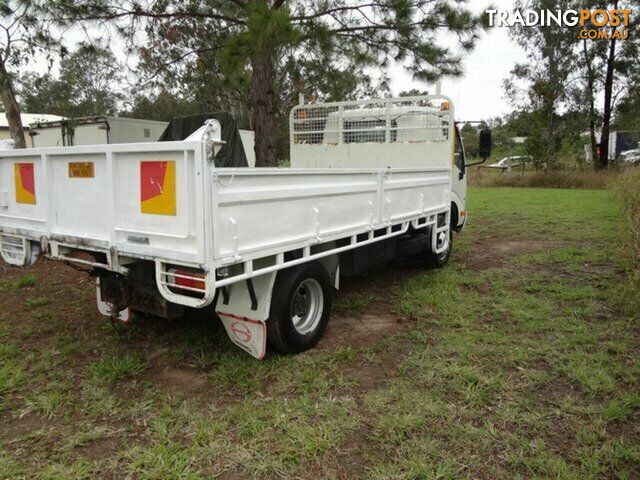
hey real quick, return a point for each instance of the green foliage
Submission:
(25, 282)
(164, 106)
(27, 32)
(88, 85)
(470, 138)
(38, 302)
(628, 110)
(257, 57)
(114, 367)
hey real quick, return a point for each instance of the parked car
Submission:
(631, 156)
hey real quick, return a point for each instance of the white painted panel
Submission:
(105, 211)
(413, 193)
(371, 155)
(80, 205)
(19, 216)
(127, 130)
(90, 134)
(47, 137)
(175, 232)
(248, 142)
(266, 209)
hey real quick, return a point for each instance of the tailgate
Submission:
(144, 200)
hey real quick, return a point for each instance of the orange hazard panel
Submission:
(158, 187)
(25, 183)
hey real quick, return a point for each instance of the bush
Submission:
(628, 190)
(587, 179)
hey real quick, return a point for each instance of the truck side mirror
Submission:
(484, 148)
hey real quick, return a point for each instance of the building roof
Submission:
(29, 118)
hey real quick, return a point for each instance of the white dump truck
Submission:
(161, 227)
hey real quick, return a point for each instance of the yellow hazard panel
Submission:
(81, 170)
(25, 183)
(158, 187)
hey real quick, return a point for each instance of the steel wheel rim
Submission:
(444, 254)
(307, 305)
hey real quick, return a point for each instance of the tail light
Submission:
(187, 279)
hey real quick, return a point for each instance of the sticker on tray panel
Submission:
(81, 170)
(250, 335)
(158, 187)
(25, 183)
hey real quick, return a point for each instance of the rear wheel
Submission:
(300, 308)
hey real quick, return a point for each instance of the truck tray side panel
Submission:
(141, 199)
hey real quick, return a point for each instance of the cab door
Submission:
(459, 184)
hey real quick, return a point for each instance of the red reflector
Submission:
(188, 278)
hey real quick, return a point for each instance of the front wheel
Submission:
(439, 260)
(300, 308)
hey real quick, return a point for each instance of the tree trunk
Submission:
(550, 108)
(11, 108)
(608, 95)
(263, 113)
(592, 104)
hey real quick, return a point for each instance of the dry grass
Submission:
(588, 179)
(627, 187)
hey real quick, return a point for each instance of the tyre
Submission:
(300, 308)
(438, 260)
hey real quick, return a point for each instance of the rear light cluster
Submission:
(186, 281)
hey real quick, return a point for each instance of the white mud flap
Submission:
(106, 308)
(250, 335)
(244, 311)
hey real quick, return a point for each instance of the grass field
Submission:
(519, 360)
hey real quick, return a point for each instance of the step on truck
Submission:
(162, 228)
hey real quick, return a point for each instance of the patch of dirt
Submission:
(492, 254)
(15, 427)
(557, 389)
(358, 330)
(179, 379)
(97, 449)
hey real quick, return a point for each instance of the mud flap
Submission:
(250, 335)
(244, 308)
(106, 308)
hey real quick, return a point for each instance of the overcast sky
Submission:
(478, 95)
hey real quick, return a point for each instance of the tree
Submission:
(470, 139)
(628, 109)
(24, 33)
(545, 73)
(620, 61)
(87, 85)
(162, 106)
(266, 52)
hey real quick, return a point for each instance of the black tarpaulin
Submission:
(230, 155)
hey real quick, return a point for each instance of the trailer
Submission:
(162, 228)
(94, 131)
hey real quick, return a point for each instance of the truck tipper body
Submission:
(161, 228)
